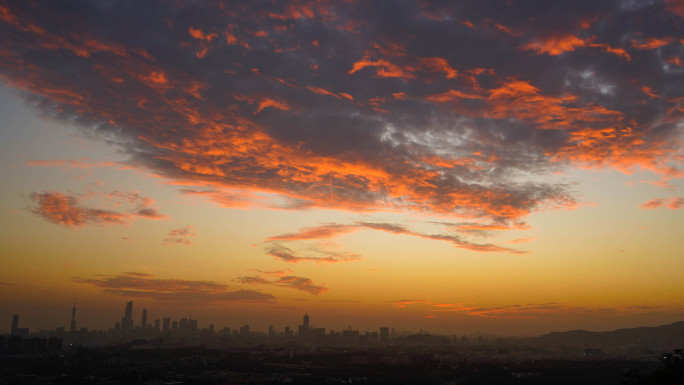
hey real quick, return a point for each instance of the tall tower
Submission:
(127, 320)
(144, 319)
(72, 328)
(15, 323)
(305, 323)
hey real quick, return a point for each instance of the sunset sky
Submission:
(507, 167)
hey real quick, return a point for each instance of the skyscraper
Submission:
(127, 320)
(304, 327)
(15, 323)
(72, 328)
(166, 324)
(143, 323)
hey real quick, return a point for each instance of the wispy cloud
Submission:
(294, 282)
(534, 310)
(142, 285)
(69, 210)
(404, 302)
(80, 163)
(673, 203)
(286, 254)
(180, 236)
(333, 230)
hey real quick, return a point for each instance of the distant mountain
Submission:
(665, 337)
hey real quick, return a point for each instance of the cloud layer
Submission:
(457, 108)
(141, 285)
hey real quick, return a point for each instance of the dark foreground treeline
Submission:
(302, 365)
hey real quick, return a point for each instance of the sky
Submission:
(506, 167)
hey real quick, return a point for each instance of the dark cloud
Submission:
(298, 283)
(180, 236)
(285, 254)
(548, 309)
(457, 108)
(143, 285)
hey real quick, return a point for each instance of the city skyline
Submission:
(506, 167)
(188, 331)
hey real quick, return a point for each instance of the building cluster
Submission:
(185, 332)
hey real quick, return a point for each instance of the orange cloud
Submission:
(650, 43)
(334, 230)
(383, 68)
(198, 34)
(555, 45)
(67, 210)
(404, 302)
(673, 203)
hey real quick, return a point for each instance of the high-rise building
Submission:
(244, 331)
(127, 320)
(304, 329)
(143, 323)
(384, 334)
(157, 324)
(72, 328)
(15, 323)
(166, 324)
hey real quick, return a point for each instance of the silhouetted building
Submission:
(127, 320)
(157, 325)
(166, 324)
(143, 323)
(15, 323)
(72, 328)
(384, 335)
(244, 331)
(304, 327)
